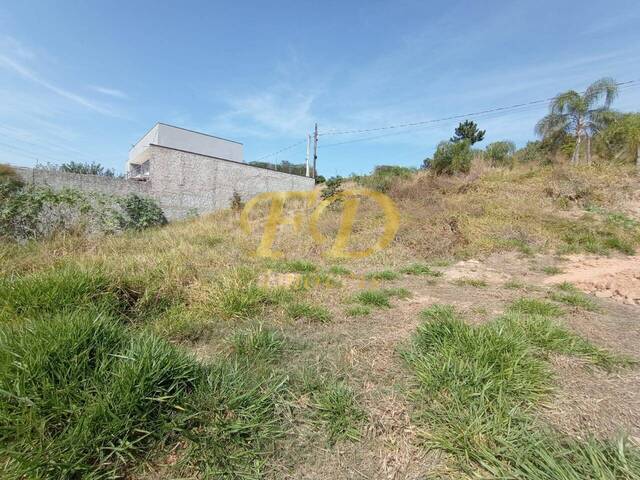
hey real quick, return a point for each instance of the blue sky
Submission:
(83, 80)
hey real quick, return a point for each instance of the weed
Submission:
(477, 387)
(292, 266)
(533, 306)
(514, 285)
(382, 275)
(314, 313)
(470, 282)
(337, 409)
(420, 269)
(570, 295)
(237, 296)
(339, 270)
(552, 270)
(358, 311)
(258, 343)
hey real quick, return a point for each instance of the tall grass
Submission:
(477, 387)
(84, 397)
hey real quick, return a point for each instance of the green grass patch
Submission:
(476, 390)
(420, 269)
(84, 397)
(533, 306)
(307, 311)
(339, 270)
(292, 266)
(51, 291)
(258, 343)
(514, 285)
(334, 406)
(237, 295)
(552, 270)
(358, 311)
(380, 298)
(470, 282)
(568, 294)
(382, 275)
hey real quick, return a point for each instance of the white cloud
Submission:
(279, 111)
(10, 64)
(111, 92)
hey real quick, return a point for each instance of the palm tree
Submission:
(579, 115)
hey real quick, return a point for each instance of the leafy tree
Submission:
(468, 130)
(621, 138)
(452, 157)
(579, 115)
(320, 179)
(92, 168)
(500, 153)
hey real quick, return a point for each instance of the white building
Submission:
(182, 140)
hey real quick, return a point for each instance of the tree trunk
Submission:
(589, 149)
(638, 155)
(576, 152)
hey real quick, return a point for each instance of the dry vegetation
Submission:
(304, 367)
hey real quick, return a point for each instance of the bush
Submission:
(140, 213)
(332, 186)
(452, 157)
(384, 176)
(236, 202)
(500, 153)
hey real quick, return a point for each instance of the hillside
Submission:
(496, 336)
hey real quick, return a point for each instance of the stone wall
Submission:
(181, 182)
(87, 183)
(184, 181)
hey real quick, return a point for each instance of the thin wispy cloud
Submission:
(110, 92)
(12, 65)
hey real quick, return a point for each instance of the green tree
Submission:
(500, 153)
(92, 168)
(621, 139)
(468, 130)
(579, 115)
(452, 157)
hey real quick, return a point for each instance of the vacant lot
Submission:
(478, 345)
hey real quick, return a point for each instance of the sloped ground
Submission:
(488, 241)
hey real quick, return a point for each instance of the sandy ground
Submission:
(617, 278)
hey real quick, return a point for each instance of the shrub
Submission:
(236, 202)
(452, 157)
(500, 153)
(384, 176)
(140, 213)
(34, 212)
(332, 186)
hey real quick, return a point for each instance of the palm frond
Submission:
(569, 102)
(551, 124)
(605, 87)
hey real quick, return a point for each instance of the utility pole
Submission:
(315, 151)
(307, 157)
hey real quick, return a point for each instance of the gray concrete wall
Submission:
(87, 183)
(181, 182)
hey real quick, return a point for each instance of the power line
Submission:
(454, 117)
(488, 114)
(280, 151)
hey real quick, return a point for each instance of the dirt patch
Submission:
(617, 278)
(590, 401)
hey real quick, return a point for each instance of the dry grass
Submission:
(205, 275)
